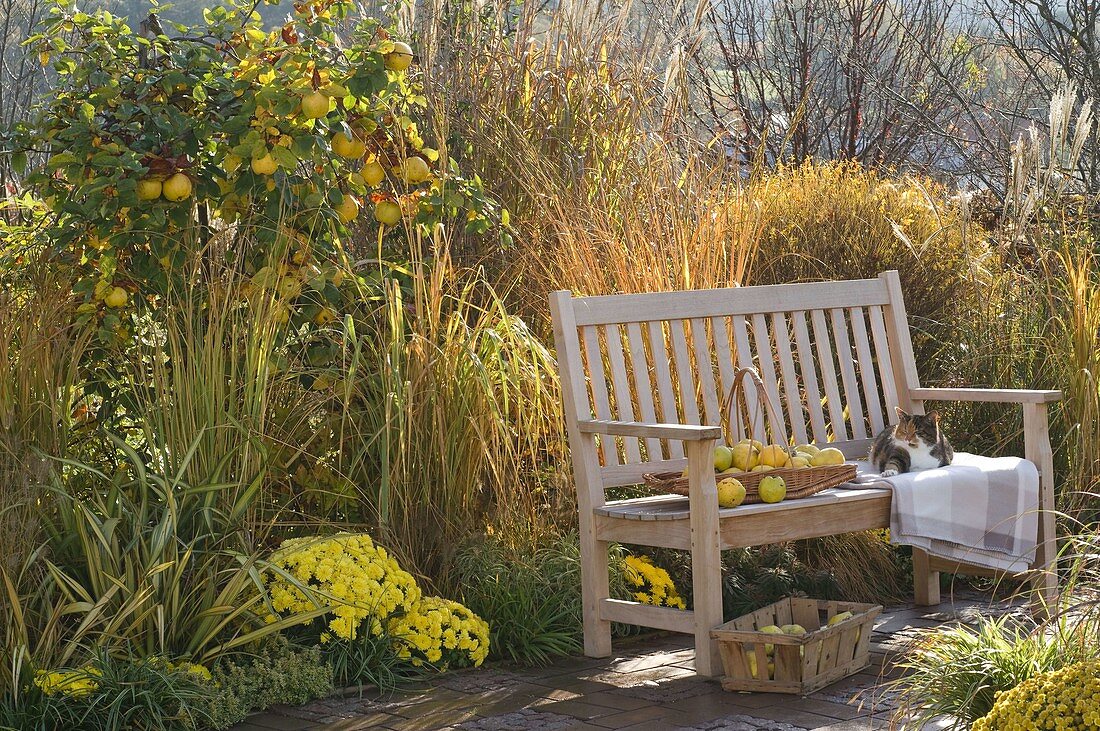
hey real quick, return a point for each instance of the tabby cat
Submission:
(916, 443)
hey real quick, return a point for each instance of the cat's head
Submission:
(916, 428)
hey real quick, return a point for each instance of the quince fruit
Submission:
(347, 147)
(148, 189)
(117, 297)
(373, 173)
(772, 489)
(774, 455)
(387, 213)
(315, 105)
(770, 629)
(723, 458)
(177, 187)
(838, 618)
(731, 493)
(400, 58)
(829, 456)
(745, 456)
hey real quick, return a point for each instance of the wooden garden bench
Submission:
(643, 378)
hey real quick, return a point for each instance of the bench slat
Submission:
(624, 308)
(795, 409)
(684, 374)
(609, 452)
(745, 360)
(666, 393)
(642, 386)
(809, 377)
(885, 362)
(624, 403)
(724, 354)
(866, 369)
(766, 360)
(828, 375)
(704, 371)
(848, 373)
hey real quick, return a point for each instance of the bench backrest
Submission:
(835, 357)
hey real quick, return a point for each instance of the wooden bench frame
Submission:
(612, 417)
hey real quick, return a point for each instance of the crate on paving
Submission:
(798, 664)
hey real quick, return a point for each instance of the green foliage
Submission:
(276, 672)
(530, 595)
(111, 694)
(959, 670)
(150, 564)
(753, 578)
(366, 660)
(528, 588)
(446, 414)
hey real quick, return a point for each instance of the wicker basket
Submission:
(801, 482)
(802, 664)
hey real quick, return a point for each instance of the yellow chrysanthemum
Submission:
(651, 584)
(441, 632)
(73, 683)
(348, 572)
(366, 591)
(1061, 700)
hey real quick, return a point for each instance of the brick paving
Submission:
(647, 685)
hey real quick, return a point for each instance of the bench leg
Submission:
(926, 582)
(1044, 582)
(1037, 449)
(594, 588)
(706, 559)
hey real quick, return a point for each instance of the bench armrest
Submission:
(682, 432)
(993, 395)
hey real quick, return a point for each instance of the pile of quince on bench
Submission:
(752, 455)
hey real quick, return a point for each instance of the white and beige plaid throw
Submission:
(978, 510)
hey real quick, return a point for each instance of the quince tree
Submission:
(266, 146)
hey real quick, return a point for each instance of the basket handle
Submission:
(737, 402)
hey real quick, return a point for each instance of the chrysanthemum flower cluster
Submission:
(1061, 700)
(367, 591)
(360, 581)
(442, 633)
(651, 584)
(73, 683)
(82, 682)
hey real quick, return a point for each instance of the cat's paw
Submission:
(889, 473)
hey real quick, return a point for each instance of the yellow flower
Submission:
(1061, 700)
(73, 683)
(651, 584)
(366, 590)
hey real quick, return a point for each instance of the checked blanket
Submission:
(978, 510)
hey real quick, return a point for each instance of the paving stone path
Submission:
(647, 685)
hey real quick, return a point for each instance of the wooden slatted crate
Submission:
(802, 664)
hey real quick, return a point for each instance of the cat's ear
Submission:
(902, 414)
(934, 416)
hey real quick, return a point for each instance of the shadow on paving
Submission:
(647, 684)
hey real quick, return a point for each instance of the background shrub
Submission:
(276, 672)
